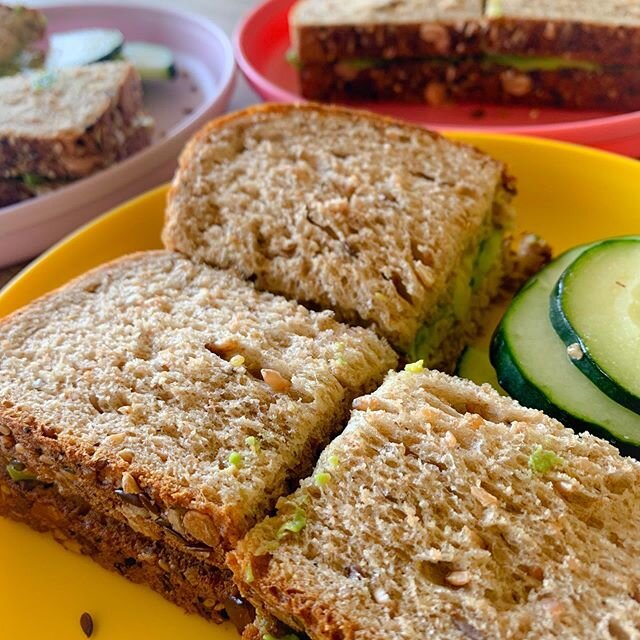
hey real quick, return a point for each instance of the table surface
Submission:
(225, 13)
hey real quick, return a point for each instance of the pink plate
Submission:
(202, 89)
(262, 40)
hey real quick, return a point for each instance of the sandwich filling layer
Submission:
(458, 315)
(487, 60)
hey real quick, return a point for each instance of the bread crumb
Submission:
(483, 497)
(236, 361)
(450, 440)
(381, 596)
(574, 351)
(555, 608)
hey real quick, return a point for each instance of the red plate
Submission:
(262, 40)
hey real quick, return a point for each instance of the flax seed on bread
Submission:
(445, 510)
(182, 400)
(343, 210)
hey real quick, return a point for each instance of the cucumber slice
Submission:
(474, 365)
(596, 306)
(84, 46)
(532, 364)
(152, 61)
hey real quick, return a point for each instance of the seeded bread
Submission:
(326, 32)
(447, 511)
(182, 579)
(437, 83)
(175, 397)
(330, 30)
(70, 123)
(340, 209)
(607, 33)
(19, 28)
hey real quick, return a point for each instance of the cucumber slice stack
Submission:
(569, 344)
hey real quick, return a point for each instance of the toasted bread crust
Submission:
(74, 524)
(615, 88)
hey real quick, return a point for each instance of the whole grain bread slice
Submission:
(330, 30)
(447, 511)
(176, 397)
(339, 209)
(69, 123)
(605, 33)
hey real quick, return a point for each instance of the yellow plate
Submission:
(567, 194)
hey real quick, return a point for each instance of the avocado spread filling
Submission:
(473, 270)
(488, 60)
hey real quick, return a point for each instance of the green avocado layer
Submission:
(539, 63)
(474, 268)
(518, 62)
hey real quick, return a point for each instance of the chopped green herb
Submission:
(248, 574)
(18, 9)
(235, 459)
(542, 461)
(323, 478)
(253, 443)
(18, 472)
(43, 80)
(340, 360)
(292, 58)
(361, 64)
(415, 367)
(32, 179)
(295, 525)
(289, 636)
(334, 461)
